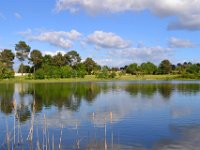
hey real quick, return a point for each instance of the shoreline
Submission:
(91, 78)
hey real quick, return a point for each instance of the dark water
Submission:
(136, 115)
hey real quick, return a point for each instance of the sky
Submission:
(112, 32)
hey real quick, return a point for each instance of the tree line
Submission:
(70, 65)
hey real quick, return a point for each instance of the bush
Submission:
(53, 72)
(112, 75)
(29, 76)
(40, 74)
(105, 74)
(190, 76)
(80, 73)
(7, 74)
(66, 72)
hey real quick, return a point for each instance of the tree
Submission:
(59, 60)
(47, 60)
(24, 69)
(90, 65)
(6, 58)
(132, 68)
(36, 59)
(74, 58)
(22, 52)
(165, 67)
(5, 72)
(148, 68)
(194, 69)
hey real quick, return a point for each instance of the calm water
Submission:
(108, 115)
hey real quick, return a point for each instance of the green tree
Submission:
(148, 68)
(59, 60)
(24, 68)
(74, 58)
(5, 73)
(6, 58)
(165, 67)
(90, 65)
(36, 59)
(132, 69)
(22, 52)
(194, 69)
(47, 60)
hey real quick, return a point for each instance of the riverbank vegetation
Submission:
(70, 65)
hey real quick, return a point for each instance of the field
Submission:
(91, 78)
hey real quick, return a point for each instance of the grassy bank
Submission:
(91, 78)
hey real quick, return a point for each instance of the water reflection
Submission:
(6, 98)
(129, 110)
(188, 141)
(69, 96)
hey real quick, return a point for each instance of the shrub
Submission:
(40, 74)
(105, 74)
(7, 74)
(66, 72)
(112, 75)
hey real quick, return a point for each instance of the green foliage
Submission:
(165, 67)
(36, 58)
(193, 69)
(29, 77)
(6, 73)
(59, 72)
(73, 58)
(190, 76)
(132, 69)
(80, 73)
(40, 74)
(69, 66)
(105, 74)
(90, 65)
(59, 60)
(47, 60)
(6, 58)
(148, 68)
(22, 50)
(24, 68)
(6, 63)
(66, 72)
(112, 75)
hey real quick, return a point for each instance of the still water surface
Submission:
(140, 115)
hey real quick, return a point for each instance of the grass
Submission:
(91, 78)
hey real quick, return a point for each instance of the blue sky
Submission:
(113, 32)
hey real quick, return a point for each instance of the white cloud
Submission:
(60, 39)
(180, 43)
(189, 139)
(53, 53)
(141, 54)
(187, 12)
(107, 40)
(122, 57)
(113, 62)
(17, 15)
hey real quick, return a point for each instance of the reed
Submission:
(61, 132)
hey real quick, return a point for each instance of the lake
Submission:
(139, 115)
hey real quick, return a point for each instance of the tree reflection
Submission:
(70, 95)
(166, 90)
(146, 90)
(63, 95)
(188, 88)
(6, 98)
(149, 90)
